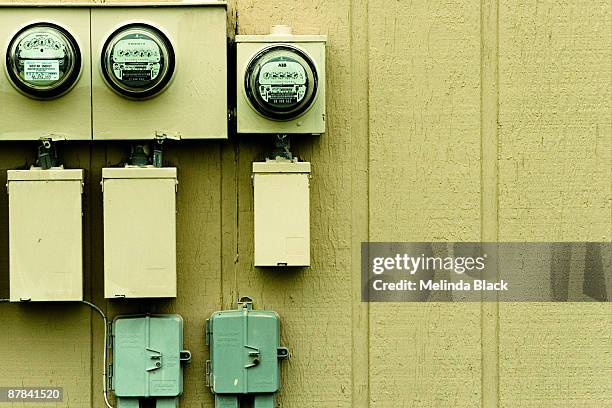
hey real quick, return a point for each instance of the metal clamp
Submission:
(282, 353)
(254, 355)
(47, 154)
(185, 356)
(155, 356)
(245, 302)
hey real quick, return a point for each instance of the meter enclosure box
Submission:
(282, 213)
(281, 83)
(147, 357)
(245, 354)
(45, 234)
(45, 90)
(161, 70)
(139, 232)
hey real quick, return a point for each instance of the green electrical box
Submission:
(245, 355)
(147, 356)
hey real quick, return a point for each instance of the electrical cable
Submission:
(104, 386)
(97, 309)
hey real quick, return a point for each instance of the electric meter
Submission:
(138, 61)
(281, 82)
(43, 60)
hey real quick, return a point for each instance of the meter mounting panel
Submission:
(56, 103)
(185, 97)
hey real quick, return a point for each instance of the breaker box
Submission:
(281, 83)
(147, 360)
(45, 88)
(45, 234)
(161, 70)
(245, 354)
(282, 213)
(139, 232)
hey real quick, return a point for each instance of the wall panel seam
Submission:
(489, 109)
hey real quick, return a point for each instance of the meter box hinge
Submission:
(147, 360)
(245, 355)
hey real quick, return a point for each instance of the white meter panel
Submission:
(161, 71)
(281, 84)
(139, 232)
(45, 88)
(282, 213)
(45, 234)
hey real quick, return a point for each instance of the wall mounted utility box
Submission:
(245, 355)
(45, 234)
(281, 83)
(45, 89)
(147, 356)
(139, 232)
(160, 70)
(282, 213)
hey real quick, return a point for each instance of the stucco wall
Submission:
(447, 120)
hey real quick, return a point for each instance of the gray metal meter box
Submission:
(139, 232)
(245, 354)
(45, 89)
(45, 234)
(147, 357)
(280, 83)
(160, 69)
(282, 213)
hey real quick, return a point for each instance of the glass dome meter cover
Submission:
(281, 82)
(138, 61)
(43, 60)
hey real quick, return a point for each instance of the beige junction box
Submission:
(282, 213)
(139, 232)
(45, 234)
(66, 117)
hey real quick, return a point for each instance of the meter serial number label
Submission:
(136, 60)
(282, 82)
(41, 70)
(33, 394)
(137, 75)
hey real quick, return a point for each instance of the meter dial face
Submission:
(138, 61)
(43, 60)
(281, 82)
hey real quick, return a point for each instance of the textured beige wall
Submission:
(448, 120)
